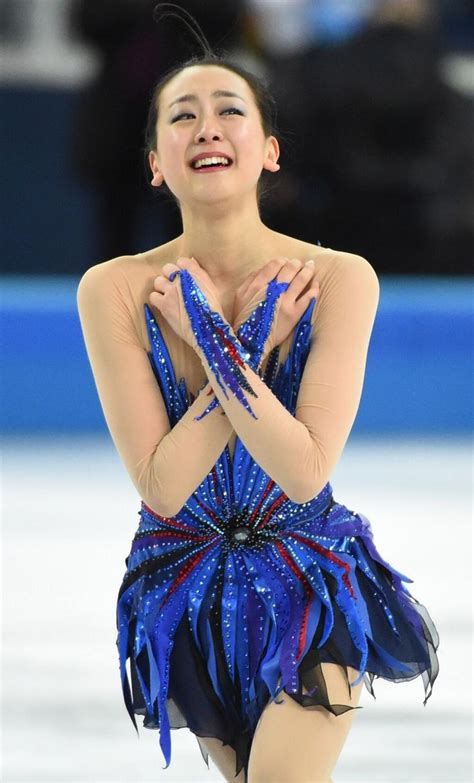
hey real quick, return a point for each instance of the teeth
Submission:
(210, 162)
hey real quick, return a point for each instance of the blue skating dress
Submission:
(244, 593)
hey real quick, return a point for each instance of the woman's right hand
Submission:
(290, 305)
(168, 299)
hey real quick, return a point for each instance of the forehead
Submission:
(204, 79)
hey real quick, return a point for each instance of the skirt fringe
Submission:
(192, 701)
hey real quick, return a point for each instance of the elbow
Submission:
(158, 506)
(159, 502)
(313, 475)
(152, 489)
(304, 494)
(305, 497)
(154, 496)
(157, 495)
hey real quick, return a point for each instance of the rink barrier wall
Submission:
(418, 378)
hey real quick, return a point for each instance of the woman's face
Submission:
(209, 110)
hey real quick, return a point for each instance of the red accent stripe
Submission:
(231, 348)
(185, 536)
(265, 493)
(275, 505)
(183, 575)
(208, 511)
(329, 556)
(308, 592)
(170, 521)
(217, 488)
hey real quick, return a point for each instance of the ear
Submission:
(272, 153)
(158, 178)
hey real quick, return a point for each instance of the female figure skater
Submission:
(229, 363)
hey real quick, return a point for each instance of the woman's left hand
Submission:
(291, 304)
(167, 296)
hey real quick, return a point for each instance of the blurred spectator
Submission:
(457, 25)
(288, 27)
(107, 147)
(375, 96)
(382, 162)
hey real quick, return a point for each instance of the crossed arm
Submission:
(165, 465)
(299, 453)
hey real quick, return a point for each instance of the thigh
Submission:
(223, 757)
(295, 744)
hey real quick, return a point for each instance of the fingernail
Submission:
(309, 262)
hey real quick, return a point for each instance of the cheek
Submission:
(250, 146)
(171, 150)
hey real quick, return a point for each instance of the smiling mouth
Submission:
(213, 163)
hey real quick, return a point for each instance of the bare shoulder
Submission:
(351, 267)
(118, 289)
(132, 273)
(331, 264)
(105, 270)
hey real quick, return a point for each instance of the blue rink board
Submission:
(418, 376)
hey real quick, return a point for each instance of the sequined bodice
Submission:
(237, 492)
(283, 379)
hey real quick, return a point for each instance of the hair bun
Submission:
(163, 10)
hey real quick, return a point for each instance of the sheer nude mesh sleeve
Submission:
(165, 465)
(333, 378)
(300, 452)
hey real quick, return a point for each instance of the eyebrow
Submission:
(215, 94)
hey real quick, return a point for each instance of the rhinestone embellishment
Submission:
(241, 534)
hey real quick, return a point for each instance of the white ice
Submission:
(69, 514)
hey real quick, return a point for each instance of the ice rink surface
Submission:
(69, 514)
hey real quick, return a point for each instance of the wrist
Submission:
(216, 344)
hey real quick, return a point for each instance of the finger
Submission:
(169, 268)
(273, 266)
(266, 273)
(187, 263)
(162, 284)
(301, 280)
(195, 269)
(290, 270)
(302, 303)
(155, 299)
(249, 280)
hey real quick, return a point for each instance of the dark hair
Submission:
(263, 98)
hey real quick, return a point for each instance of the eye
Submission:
(183, 114)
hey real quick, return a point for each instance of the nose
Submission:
(208, 132)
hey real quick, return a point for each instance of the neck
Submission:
(228, 245)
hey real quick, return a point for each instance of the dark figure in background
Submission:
(108, 131)
(382, 162)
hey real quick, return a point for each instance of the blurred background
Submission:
(375, 112)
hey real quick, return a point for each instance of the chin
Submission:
(215, 197)
(222, 192)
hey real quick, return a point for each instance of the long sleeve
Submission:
(300, 452)
(166, 465)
